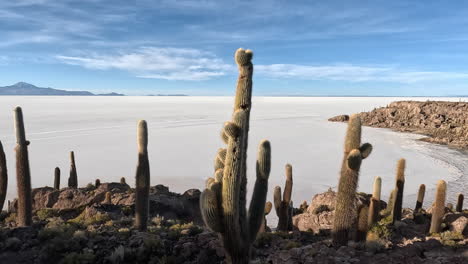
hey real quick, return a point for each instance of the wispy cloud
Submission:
(157, 63)
(354, 73)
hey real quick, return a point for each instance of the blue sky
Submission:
(300, 47)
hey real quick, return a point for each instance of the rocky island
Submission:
(443, 122)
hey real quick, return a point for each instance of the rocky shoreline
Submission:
(442, 122)
(80, 226)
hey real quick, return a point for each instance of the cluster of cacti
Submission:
(73, 179)
(3, 176)
(420, 199)
(223, 202)
(23, 175)
(460, 199)
(57, 178)
(399, 185)
(438, 209)
(142, 179)
(374, 206)
(354, 153)
(283, 205)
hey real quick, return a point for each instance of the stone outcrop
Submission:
(443, 122)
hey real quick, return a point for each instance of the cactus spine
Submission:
(3, 177)
(439, 207)
(460, 199)
(142, 178)
(374, 207)
(354, 152)
(223, 202)
(23, 174)
(282, 206)
(73, 179)
(57, 178)
(419, 202)
(399, 185)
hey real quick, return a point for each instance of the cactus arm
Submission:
(277, 199)
(257, 204)
(210, 210)
(366, 150)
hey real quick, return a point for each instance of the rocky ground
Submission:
(78, 226)
(443, 122)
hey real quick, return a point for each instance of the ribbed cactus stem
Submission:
(439, 207)
(374, 207)
(399, 185)
(142, 179)
(460, 199)
(23, 175)
(346, 211)
(97, 183)
(57, 178)
(73, 179)
(420, 199)
(3, 177)
(123, 181)
(362, 224)
(282, 206)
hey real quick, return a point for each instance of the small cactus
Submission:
(346, 211)
(23, 174)
(264, 226)
(73, 179)
(374, 207)
(142, 178)
(450, 206)
(57, 178)
(107, 199)
(460, 199)
(282, 205)
(439, 207)
(97, 183)
(420, 200)
(399, 185)
(362, 224)
(122, 180)
(3, 177)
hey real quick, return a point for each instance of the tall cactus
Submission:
(57, 178)
(420, 199)
(439, 207)
(354, 153)
(3, 177)
(282, 205)
(460, 199)
(399, 185)
(223, 202)
(374, 207)
(23, 174)
(142, 179)
(73, 179)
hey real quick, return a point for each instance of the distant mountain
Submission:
(23, 88)
(166, 95)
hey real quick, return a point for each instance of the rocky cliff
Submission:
(443, 122)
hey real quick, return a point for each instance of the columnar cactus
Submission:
(57, 178)
(3, 177)
(142, 179)
(439, 207)
(97, 183)
(354, 152)
(23, 174)
(420, 200)
(362, 223)
(399, 185)
(460, 199)
(374, 207)
(73, 179)
(264, 226)
(282, 205)
(223, 202)
(122, 180)
(107, 199)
